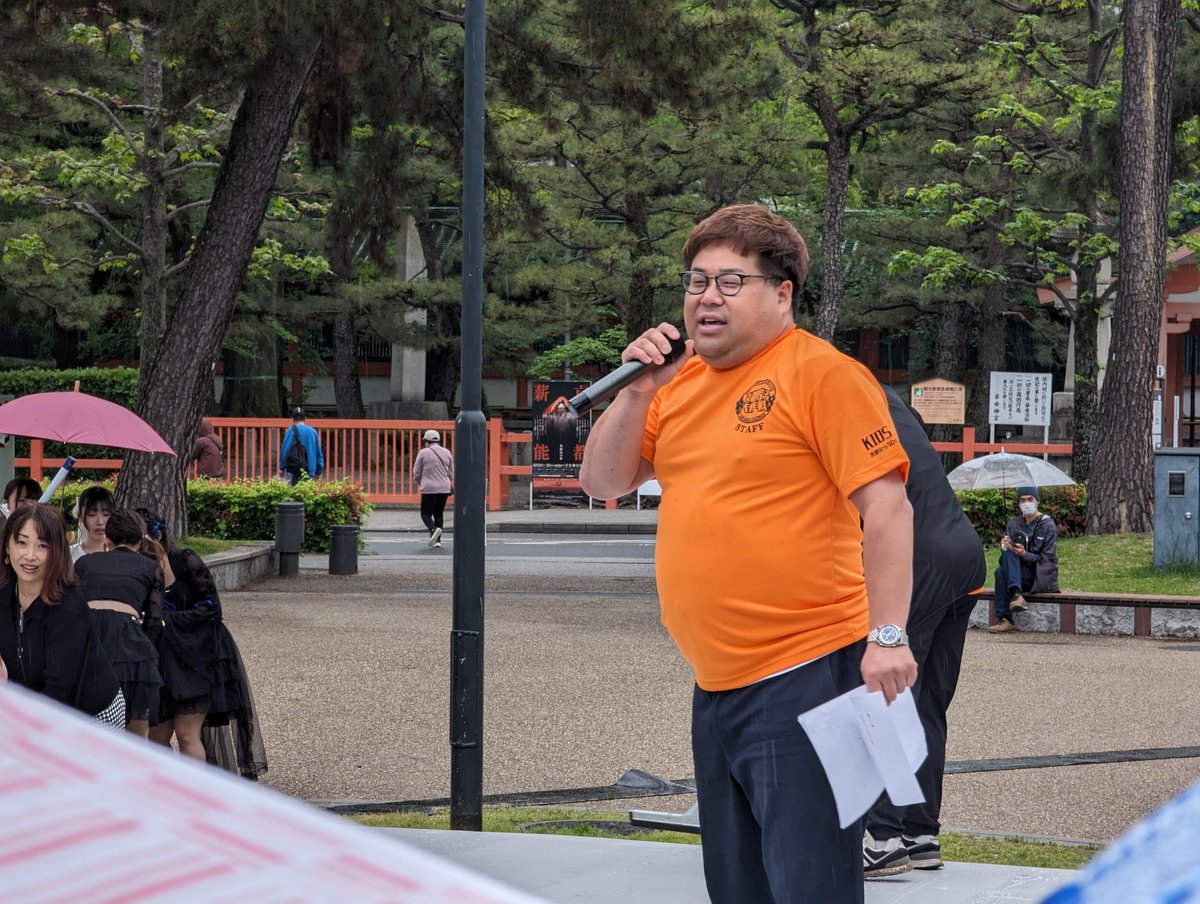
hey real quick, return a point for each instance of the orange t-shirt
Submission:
(759, 552)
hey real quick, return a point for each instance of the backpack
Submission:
(297, 458)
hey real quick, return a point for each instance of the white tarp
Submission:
(89, 815)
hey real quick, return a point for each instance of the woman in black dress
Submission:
(205, 684)
(47, 641)
(125, 591)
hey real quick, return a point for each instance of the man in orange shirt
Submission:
(770, 446)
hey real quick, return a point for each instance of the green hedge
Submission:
(245, 509)
(117, 384)
(990, 510)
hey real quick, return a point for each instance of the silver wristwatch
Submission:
(888, 636)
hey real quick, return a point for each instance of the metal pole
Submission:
(470, 446)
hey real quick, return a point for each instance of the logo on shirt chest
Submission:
(754, 405)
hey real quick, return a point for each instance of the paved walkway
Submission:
(610, 871)
(583, 684)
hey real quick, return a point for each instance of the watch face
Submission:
(889, 635)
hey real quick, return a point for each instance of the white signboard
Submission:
(1023, 399)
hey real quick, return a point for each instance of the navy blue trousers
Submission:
(770, 827)
(1012, 577)
(937, 645)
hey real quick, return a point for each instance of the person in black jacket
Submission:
(948, 565)
(125, 591)
(47, 641)
(1028, 559)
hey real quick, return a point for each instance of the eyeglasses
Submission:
(696, 282)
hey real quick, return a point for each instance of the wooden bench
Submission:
(1143, 606)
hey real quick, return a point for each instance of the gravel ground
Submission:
(582, 684)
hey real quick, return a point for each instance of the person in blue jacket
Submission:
(308, 459)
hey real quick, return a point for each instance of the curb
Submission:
(539, 527)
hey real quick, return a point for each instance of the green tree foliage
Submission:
(840, 52)
(1033, 173)
(663, 114)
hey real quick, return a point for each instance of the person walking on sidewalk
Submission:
(948, 566)
(770, 446)
(433, 472)
(300, 454)
(1028, 559)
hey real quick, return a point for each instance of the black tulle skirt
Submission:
(134, 659)
(231, 735)
(200, 667)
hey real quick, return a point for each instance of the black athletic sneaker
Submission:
(887, 858)
(925, 851)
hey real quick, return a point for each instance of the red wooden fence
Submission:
(379, 454)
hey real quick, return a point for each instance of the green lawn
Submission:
(612, 824)
(206, 546)
(1120, 563)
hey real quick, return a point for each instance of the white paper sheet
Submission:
(867, 746)
(91, 815)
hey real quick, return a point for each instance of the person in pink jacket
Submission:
(433, 472)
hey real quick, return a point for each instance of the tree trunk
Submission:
(154, 204)
(251, 384)
(639, 310)
(1086, 372)
(1121, 491)
(443, 326)
(949, 362)
(347, 388)
(993, 332)
(175, 383)
(833, 231)
(1087, 314)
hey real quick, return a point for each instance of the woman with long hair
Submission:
(125, 591)
(93, 508)
(205, 683)
(47, 640)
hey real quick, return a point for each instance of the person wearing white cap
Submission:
(433, 472)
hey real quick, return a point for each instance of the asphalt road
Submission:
(582, 683)
(520, 546)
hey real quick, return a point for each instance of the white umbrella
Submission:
(1004, 470)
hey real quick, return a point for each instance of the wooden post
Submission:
(968, 442)
(497, 482)
(37, 451)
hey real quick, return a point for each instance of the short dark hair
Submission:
(94, 497)
(26, 487)
(51, 529)
(753, 229)
(297, 413)
(125, 528)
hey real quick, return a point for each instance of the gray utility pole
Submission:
(470, 447)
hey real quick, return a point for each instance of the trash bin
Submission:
(289, 536)
(343, 549)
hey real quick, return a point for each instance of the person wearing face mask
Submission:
(1028, 559)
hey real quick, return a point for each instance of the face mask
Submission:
(1028, 508)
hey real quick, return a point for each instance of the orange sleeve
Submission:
(853, 432)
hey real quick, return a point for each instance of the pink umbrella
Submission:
(76, 417)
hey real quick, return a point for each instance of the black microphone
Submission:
(610, 385)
